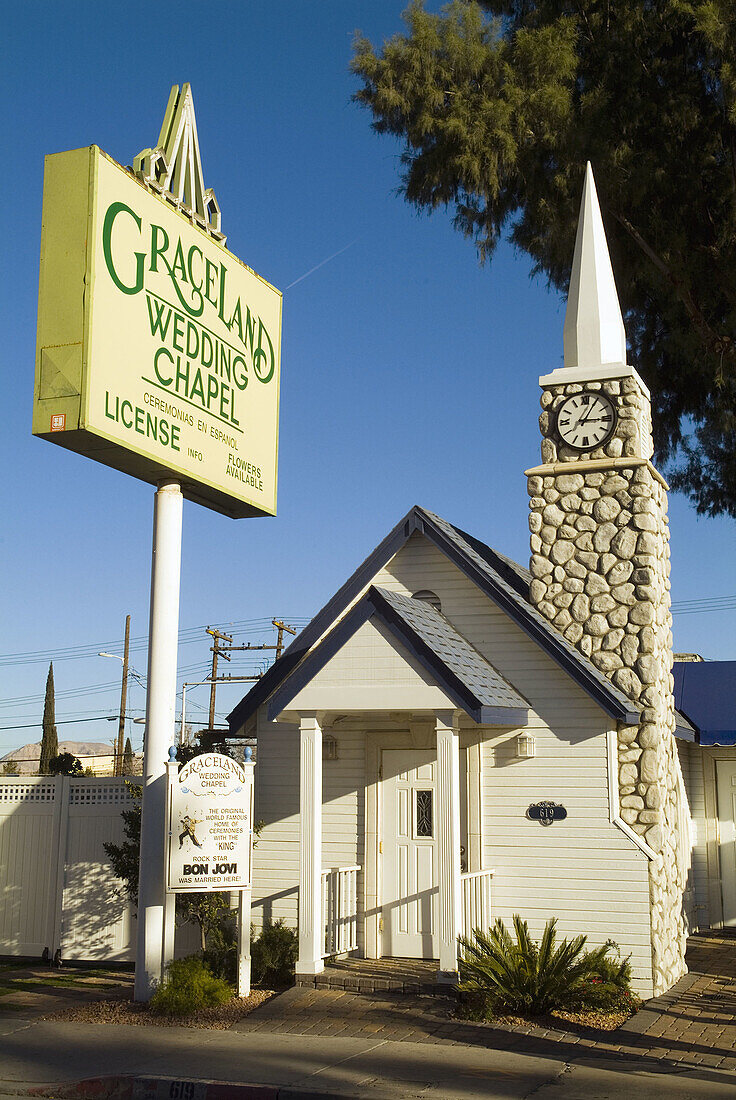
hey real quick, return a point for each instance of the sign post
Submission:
(160, 716)
(169, 930)
(244, 907)
(157, 353)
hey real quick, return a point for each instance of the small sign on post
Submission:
(210, 825)
(210, 837)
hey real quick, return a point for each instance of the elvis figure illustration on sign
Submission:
(188, 824)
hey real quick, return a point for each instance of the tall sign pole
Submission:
(160, 717)
(158, 353)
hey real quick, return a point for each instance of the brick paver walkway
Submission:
(697, 1017)
(694, 1024)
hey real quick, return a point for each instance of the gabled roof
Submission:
(456, 666)
(504, 582)
(706, 692)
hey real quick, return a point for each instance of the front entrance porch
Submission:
(411, 898)
(342, 964)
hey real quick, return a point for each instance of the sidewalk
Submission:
(136, 1063)
(307, 1043)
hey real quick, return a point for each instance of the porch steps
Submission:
(408, 976)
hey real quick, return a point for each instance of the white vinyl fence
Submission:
(57, 888)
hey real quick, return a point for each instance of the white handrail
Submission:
(340, 909)
(476, 891)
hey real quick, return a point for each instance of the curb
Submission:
(166, 1088)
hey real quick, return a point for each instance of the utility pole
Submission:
(217, 651)
(118, 763)
(281, 627)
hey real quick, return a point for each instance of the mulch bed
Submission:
(560, 1020)
(133, 1012)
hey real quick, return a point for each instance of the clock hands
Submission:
(585, 420)
(586, 417)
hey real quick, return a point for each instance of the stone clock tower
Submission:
(600, 562)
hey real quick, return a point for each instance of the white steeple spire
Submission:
(593, 336)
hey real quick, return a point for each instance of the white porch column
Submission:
(448, 843)
(311, 922)
(475, 806)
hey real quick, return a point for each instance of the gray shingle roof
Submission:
(526, 615)
(456, 653)
(502, 580)
(464, 675)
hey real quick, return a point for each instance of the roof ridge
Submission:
(501, 584)
(462, 672)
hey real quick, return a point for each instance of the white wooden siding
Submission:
(372, 671)
(687, 767)
(584, 871)
(343, 810)
(276, 855)
(691, 761)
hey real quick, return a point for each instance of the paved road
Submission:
(36, 1052)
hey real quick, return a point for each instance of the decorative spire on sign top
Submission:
(594, 335)
(174, 167)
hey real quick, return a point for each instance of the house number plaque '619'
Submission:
(546, 812)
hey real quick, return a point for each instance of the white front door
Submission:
(726, 776)
(409, 863)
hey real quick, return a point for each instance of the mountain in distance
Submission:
(27, 756)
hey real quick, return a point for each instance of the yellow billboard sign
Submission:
(158, 350)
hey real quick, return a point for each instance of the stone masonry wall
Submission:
(600, 574)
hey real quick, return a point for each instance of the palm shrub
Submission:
(606, 987)
(501, 973)
(188, 986)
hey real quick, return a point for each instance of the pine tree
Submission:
(497, 105)
(127, 758)
(50, 739)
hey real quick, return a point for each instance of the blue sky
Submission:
(409, 372)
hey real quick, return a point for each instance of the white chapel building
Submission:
(456, 738)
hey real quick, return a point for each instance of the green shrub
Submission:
(500, 974)
(273, 954)
(606, 988)
(188, 986)
(221, 955)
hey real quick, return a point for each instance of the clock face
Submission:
(586, 420)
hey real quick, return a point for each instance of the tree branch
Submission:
(717, 343)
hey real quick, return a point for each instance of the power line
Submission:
(187, 635)
(714, 602)
(94, 689)
(62, 722)
(89, 689)
(704, 605)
